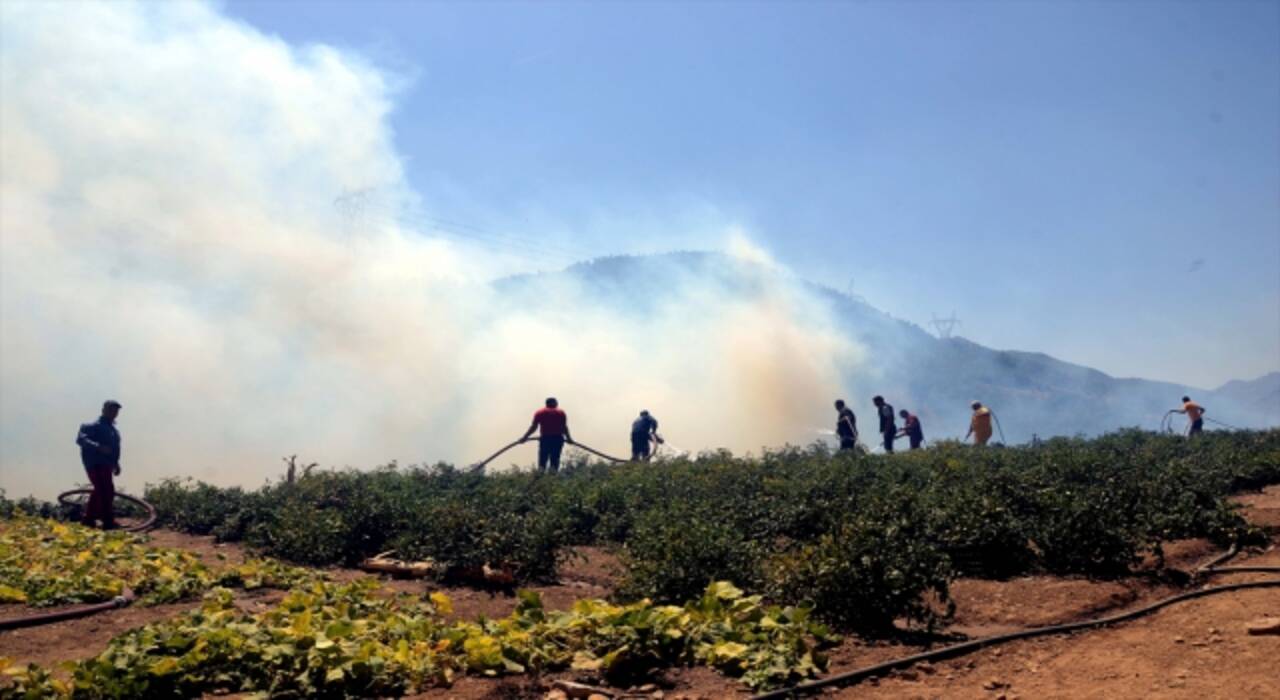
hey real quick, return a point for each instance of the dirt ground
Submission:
(1196, 649)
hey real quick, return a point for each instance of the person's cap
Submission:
(111, 403)
(644, 412)
(976, 404)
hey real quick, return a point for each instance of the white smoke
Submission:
(167, 239)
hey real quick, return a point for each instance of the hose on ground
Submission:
(120, 601)
(1233, 550)
(1246, 570)
(976, 644)
(65, 498)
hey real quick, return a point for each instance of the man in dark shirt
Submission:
(643, 429)
(553, 432)
(846, 426)
(887, 427)
(99, 443)
(911, 428)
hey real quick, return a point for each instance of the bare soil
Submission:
(1197, 649)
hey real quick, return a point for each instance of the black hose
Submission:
(974, 645)
(495, 455)
(599, 453)
(119, 601)
(480, 465)
(1233, 550)
(65, 499)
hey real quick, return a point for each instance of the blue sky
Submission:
(1099, 181)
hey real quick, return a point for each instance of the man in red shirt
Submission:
(553, 432)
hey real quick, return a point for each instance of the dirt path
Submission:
(1198, 649)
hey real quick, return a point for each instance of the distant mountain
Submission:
(1261, 395)
(1032, 393)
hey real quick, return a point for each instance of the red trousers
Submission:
(102, 500)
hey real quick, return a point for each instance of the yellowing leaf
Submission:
(442, 603)
(164, 666)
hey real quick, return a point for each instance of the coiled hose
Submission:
(66, 498)
(962, 648)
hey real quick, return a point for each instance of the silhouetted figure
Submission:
(846, 426)
(643, 430)
(888, 428)
(99, 443)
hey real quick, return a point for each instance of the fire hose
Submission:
(120, 601)
(857, 675)
(1166, 424)
(480, 465)
(66, 499)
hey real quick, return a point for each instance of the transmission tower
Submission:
(352, 206)
(849, 292)
(945, 326)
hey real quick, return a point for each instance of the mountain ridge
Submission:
(1032, 392)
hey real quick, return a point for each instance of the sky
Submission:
(272, 228)
(1098, 181)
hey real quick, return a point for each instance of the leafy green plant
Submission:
(327, 640)
(45, 563)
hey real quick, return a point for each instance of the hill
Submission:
(1032, 393)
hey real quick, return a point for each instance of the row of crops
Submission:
(855, 540)
(328, 639)
(862, 538)
(45, 563)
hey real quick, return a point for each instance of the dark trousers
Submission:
(549, 449)
(102, 500)
(848, 443)
(888, 440)
(915, 441)
(639, 448)
(1197, 426)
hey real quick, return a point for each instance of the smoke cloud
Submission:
(168, 239)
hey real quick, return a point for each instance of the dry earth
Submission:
(1197, 649)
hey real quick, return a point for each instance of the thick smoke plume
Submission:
(168, 238)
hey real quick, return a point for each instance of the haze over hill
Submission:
(1032, 392)
(170, 240)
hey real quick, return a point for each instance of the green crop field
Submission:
(740, 564)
